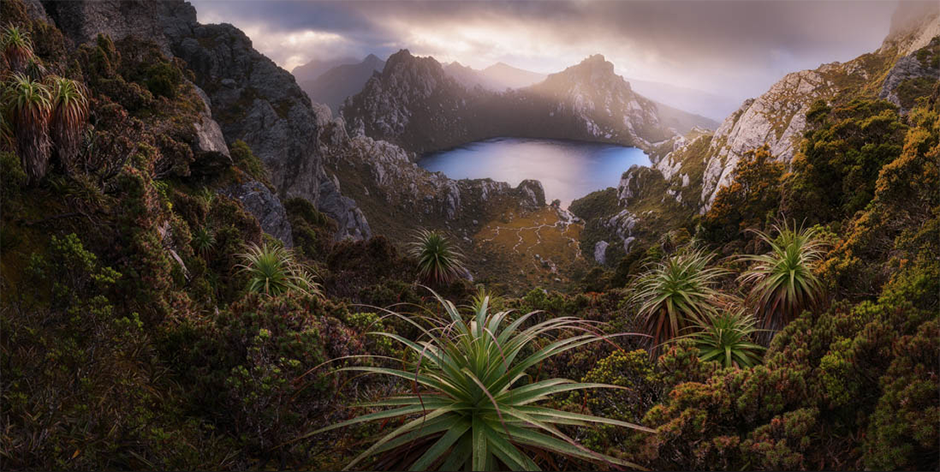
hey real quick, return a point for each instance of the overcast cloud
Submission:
(733, 48)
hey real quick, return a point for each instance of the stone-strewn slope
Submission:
(417, 105)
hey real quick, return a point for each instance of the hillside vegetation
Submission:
(150, 319)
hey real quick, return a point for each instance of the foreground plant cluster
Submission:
(149, 323)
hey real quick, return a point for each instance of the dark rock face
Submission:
(265, 206)
(157, 21)
(258, 102)
(250, 97)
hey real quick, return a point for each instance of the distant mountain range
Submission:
(331, 81)
(317, 67)
(417, 103)
(333, 85)
(497, 77)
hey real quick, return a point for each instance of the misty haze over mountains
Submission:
(331, 81)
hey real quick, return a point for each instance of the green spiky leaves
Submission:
(28, 104)
(438, 261)
(472, 405)
(783, 280)
(726, 337)
(273, 270)
(68, 118)
(17, 48)
(672, 294)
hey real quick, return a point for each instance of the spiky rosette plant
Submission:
(472, 405)
(203, 241)
(672, 294)
(783, 280)
(438, 261)
(17, 48)
(68, 119)
(726, 336)
(29, 106)
(272, 270)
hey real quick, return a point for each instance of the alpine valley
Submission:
(209, 262)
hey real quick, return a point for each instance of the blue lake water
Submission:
(567, 169)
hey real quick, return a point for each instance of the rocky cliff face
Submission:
(157, 21)
(602, 102)
(777, 118)
(688, 171)
(419, 106)
(398, 196)
(251, 98)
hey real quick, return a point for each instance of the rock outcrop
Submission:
(157, 21)
(250, 97)
(265, 206)
(918, 70)
(778, 117)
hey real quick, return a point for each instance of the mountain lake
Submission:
(568, 170)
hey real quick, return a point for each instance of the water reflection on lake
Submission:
(567, 169)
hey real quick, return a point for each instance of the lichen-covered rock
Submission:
(776, 118)
(265, 206)
(600, 252)
(209, 136)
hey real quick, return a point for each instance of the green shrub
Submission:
(163, 80)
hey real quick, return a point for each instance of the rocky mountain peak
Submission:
(400, 57)
(595, 72)
(913, 25)
(371, 59)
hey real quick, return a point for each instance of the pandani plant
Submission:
(273, 270)
(727, 336)
(17, 48)
(68, 119)
(783, 280)
(28, 106)
(203, 241)
(671, 295)
(438, 261)
(472, 403)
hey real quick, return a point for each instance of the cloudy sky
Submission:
(732, 48)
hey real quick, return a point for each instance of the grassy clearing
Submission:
(536, 249)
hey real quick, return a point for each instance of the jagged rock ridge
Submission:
(417, 105)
